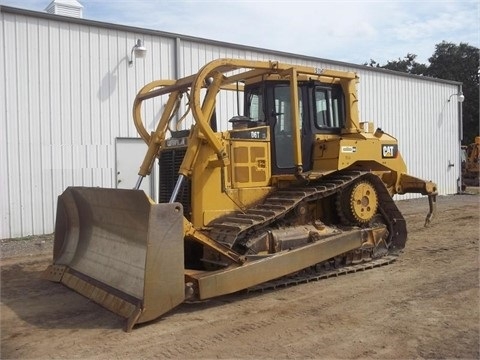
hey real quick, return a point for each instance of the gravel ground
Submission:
(423, 306)
(28, 245)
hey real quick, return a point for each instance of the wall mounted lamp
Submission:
(460, 98)
(139, 50)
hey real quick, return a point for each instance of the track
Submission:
(312, 274)
(234, 230)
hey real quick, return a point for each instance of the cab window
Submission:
(329, 110)
(255, 105)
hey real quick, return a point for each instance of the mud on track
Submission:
(425, 305)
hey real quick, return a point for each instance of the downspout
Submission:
(176, 76)
(177, 70)
(460, 133)
(460, 114)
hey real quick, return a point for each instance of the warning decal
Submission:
(349, 149)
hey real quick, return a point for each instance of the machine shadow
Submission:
(48, 305)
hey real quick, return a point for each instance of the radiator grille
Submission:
(169, 164)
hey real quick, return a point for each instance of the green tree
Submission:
(449, 62)
(407, 65)
(460, 63)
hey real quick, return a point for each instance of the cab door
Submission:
(271, 103)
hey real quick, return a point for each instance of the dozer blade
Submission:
(121, 250)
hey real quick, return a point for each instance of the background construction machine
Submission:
(298, 185)
(471, 164)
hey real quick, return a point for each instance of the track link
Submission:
(312, 274)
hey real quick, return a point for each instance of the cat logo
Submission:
(389, 151)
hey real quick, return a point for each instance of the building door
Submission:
(129, 154)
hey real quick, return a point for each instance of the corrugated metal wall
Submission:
(418, 114)
(68, 95)
(68, 90)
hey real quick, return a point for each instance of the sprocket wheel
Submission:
(358, 204)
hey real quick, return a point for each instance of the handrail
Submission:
(202, 106)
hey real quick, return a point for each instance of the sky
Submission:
(349, 31)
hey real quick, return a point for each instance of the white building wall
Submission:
(67, 93)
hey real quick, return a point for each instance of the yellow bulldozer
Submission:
(297, 188)
(471, 164)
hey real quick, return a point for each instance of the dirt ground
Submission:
(424, 305)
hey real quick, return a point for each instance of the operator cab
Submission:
(321, 111)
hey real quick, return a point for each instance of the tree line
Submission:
(450, 62)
